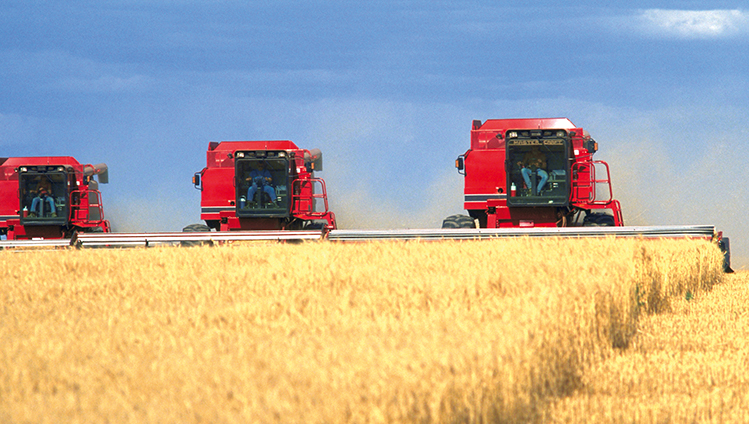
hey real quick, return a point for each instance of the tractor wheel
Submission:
(598, 220)
(725, 247)
(606, 221)
(69, 233)
(196, 228)
(314, 225)
(458, 221)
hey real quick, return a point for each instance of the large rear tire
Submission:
(459, 221)
(196, 228)
(598, 220)
(725, 247)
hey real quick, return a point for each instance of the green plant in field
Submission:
(639, 296)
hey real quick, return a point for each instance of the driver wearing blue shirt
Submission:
(261, 178)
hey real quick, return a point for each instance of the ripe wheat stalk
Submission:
(473, 331)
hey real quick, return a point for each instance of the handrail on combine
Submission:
(303, 196)
(585, 190)
(86, 210)
(86, 207)
(588, 188)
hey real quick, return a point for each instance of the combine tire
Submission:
(314, 225)
(196, 228)
(459, 221)
(725, 247)
(598, 220)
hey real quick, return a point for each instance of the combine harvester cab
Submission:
(50, 198)
(262, 185)
(525, 173)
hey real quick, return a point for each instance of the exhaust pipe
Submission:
(99, 169)
(313, 159)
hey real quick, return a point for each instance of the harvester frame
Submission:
(570, 189)
(235, 197)
(50, 197)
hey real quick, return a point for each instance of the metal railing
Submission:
(304, 198)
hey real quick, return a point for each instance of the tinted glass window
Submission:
(538, 171)
(262, 185)
(43, 195)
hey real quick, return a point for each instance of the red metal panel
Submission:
(10, 202)
(485, 176)
(219, 193)
(530, 123)
(486, 186)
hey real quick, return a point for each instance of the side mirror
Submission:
(460, 164)
(196, 180)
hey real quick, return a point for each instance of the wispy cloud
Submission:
(693, 24)
(104, 84)
(58, 70)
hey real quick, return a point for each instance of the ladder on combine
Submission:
(589, 191)
(304, 196)
(86, 209)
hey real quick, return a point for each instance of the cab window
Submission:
(538, 171)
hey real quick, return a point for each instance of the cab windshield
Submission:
(538, 169)
(43, 195)
(262, 186)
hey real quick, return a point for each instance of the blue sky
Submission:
(387, 90)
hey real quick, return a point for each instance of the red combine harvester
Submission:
(262, 185)
(524, 173)
(50, 197)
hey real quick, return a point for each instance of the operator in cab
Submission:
(534, 161)
(261, 177)
(43, 196)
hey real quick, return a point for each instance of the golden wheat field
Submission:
(505, 331)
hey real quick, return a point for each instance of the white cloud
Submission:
(693, 24)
